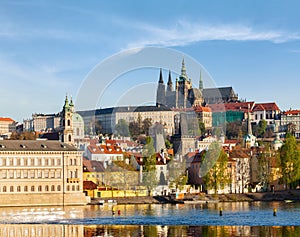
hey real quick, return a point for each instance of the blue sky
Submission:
(47, 48)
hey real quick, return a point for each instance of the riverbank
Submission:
(291, 195)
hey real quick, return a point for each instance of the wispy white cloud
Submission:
(185, 33)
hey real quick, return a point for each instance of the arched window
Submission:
(32, 188)
(73, 188)
(4, 189)
(52, 188)
(75, 163)
(40, 188)
(68, 188)
(47, 188)
(70, 138)
(69, 122)
(71, 162)
(11, 189)
(19, 189)
(25, 189)
(58, 188)
(78, 188)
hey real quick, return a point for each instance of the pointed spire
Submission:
(183, 69)
(66, 105)
(249, 122)
(170, 79)
(201, 81)
(161, 77)
(71, 102)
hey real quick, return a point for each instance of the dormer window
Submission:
(2, 146)
(44, 146)
(23, 146)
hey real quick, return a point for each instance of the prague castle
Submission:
(185, 96)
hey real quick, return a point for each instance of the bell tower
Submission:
(67, 122)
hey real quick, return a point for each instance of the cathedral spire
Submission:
(161, 77)
(170, 79)
(200, 81)
(183, 69)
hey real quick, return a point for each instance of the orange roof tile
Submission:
(6, 119)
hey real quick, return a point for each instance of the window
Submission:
(53, 162)
(11, 174)
(19, 189)
(25, 189)
(11, 189)
(18, 162)
(75, 163)
(46, 162)
(39, 162)
(39, 174)
(40, 188)
(69, 122)
(32, 189)
(47, 188)
(52, 188)
(18, 174)
(46, 173)
(4, 189)
(4, 174)
(58, 162)
(73, 188)
(32, 174)
(68, 188)
(70, 161)
(58, 188)
(70, 138)
(25, 174)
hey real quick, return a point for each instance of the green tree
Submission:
(214, 168)
(262, 127)
(149, 165)
(146, 124)
(134, 129)
(122, 129)
(264, 168)
(201, 128)
(290, 161)
(177, 174)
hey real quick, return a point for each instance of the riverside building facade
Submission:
(40, 172)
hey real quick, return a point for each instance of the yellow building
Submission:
(40, 173)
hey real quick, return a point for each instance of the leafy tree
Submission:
(201, 128)
(235, 130)
(168, 144)
(264, 168)
(121, 128)
(290, 161)
(134, 129)
(177, 174)
(146, 124)
(291, 128)
(23, 136)
(149, 165)
(214, 168)
(262, 127)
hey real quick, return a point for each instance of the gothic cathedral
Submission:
(184, 96)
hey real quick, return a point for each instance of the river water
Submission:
(238, 219)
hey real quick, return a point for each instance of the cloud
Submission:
(185, 33)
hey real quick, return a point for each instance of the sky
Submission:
(48, 49)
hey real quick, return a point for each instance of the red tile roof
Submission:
(272, 106)
(89, 185)
(202, 109)
(6, 119)
(104, 149)
(292, 112)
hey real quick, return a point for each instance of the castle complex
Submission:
(185, 96)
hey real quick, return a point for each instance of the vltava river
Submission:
(238, 219)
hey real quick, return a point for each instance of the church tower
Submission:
(170, 94)
(67, 122)
(161, 91)
(183, 85)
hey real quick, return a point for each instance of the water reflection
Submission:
(45, 230)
